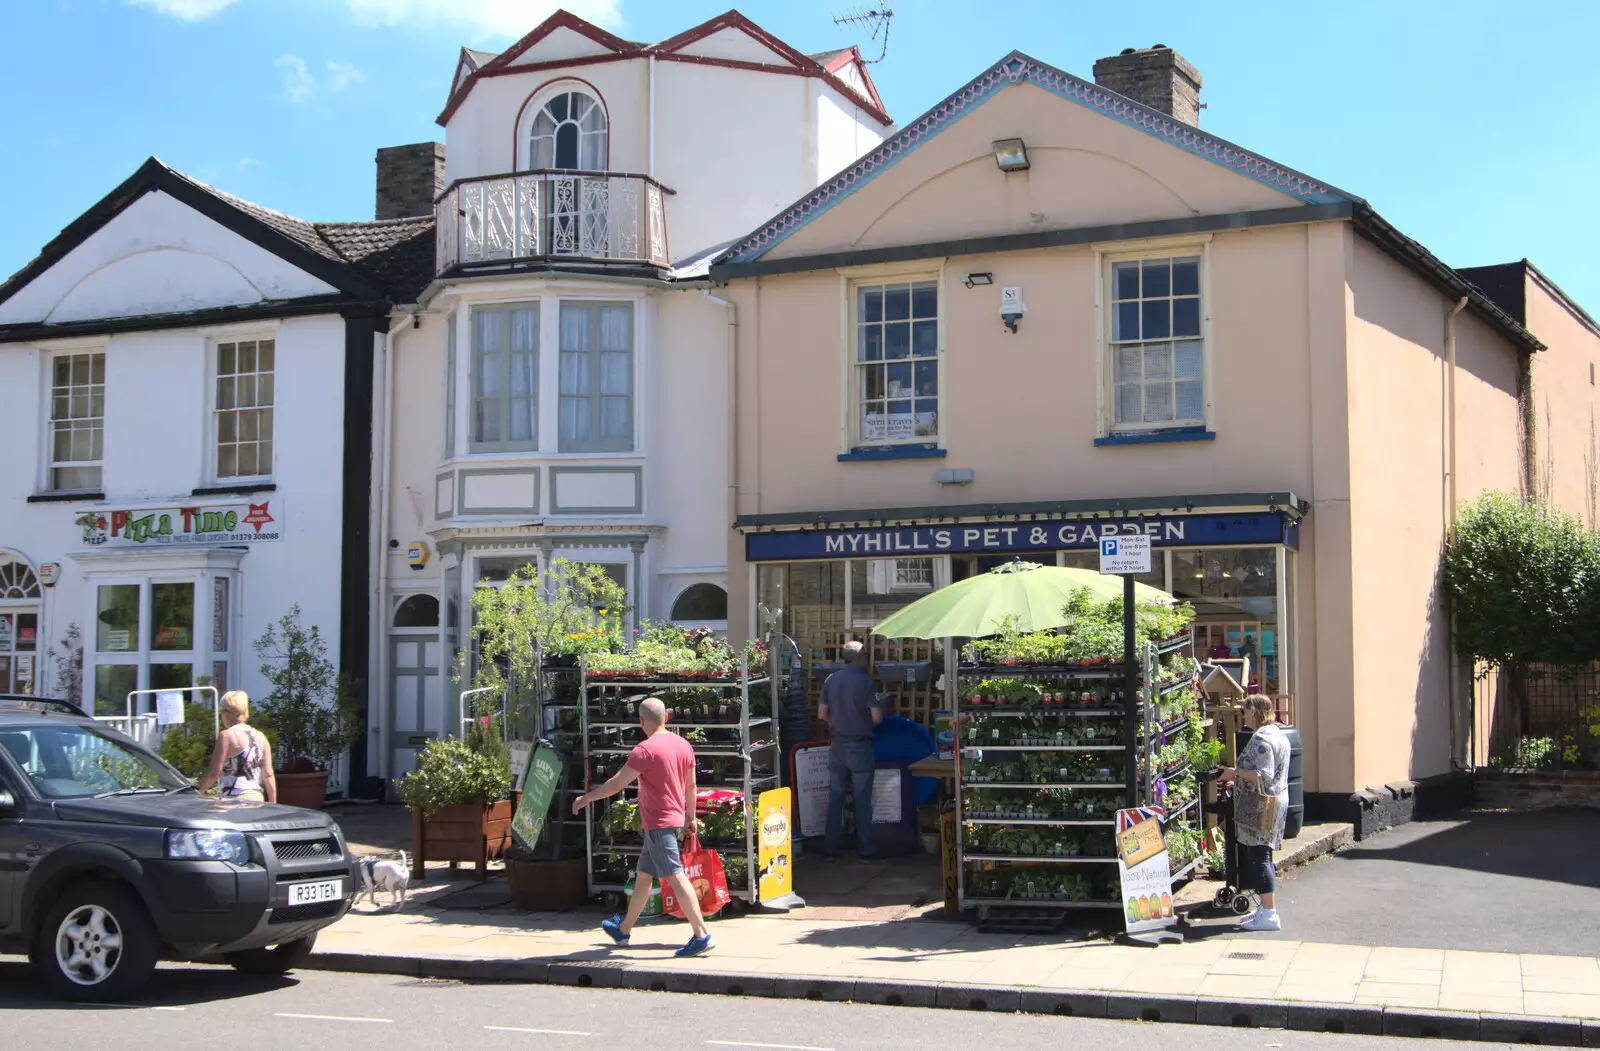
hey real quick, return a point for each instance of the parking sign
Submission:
(1125, 554)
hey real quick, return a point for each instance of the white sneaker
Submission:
(1262, 920)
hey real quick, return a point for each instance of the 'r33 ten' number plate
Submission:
(312, 893)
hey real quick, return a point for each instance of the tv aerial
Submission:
(877, 20)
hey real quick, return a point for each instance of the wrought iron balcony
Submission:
(603, 217)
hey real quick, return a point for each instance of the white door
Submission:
(416, 693)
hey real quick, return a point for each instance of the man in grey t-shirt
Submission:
(851, 708)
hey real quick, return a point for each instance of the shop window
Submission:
(145, 638)
(77, 420)
(700, 603)
(19, 651)
(596, 408)
(1156, 578)
(505, 378)
(569, 132)
(1235, 595)
(246, 373)
(1157, 348)
(896, 363)
(417, 611)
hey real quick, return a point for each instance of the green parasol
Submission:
(1031, 594)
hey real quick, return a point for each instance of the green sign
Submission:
(539, 786)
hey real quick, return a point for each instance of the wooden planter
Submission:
(547, 885)
(303, 790)
(466, 832)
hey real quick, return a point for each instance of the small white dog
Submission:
(386, 874)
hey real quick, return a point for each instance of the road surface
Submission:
(209, 1008)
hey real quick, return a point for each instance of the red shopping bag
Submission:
(703, 868)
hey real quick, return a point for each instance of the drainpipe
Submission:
(650, 113)
(1450, 529)
(1450, 401)
(733, 402)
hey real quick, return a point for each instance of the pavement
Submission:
(205, 1008)
(1498, 882)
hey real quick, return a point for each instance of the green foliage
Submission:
(1092, 634)
(1207, 755)
(1536, 753)
(451, 771)
(311, 711)
(1525, 584)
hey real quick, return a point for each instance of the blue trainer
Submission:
(613, 927)
(696, 947)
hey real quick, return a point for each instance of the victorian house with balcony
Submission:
(560, 390)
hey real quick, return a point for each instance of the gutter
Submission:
(733, 400)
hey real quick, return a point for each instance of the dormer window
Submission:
(569, 132)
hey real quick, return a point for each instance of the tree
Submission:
(1525, 580)
(310, 709)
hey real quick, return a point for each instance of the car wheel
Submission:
(96, 943)
(280, 959)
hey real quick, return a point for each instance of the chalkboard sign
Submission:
(544, 776)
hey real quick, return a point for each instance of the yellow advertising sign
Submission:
(775, 875)
(1141, 842)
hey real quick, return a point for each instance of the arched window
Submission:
(17, 580)
(569, 132)
(700, 603)
(418, 611)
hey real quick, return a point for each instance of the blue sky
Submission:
(1468, 124)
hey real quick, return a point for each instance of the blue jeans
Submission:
(851, 767)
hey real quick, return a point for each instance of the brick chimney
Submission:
(1157, 76)
(409, 178)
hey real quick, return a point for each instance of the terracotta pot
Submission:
(303, 790)
(471, 832)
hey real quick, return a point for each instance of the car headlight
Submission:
(208, 844)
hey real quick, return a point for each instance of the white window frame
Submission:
(594, 400)
(213, 443)
(539, 307)
(850, 401)
(51, 464)
(536, 106)
(683, 589)
(205, 575)
(1106, 256)
(450, 386)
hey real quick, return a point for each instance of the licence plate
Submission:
(311, 893)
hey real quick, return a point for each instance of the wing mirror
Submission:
(8, 803)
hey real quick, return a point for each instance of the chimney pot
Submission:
(409, 179)
(1158, 77)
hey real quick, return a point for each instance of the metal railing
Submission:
(606, 217)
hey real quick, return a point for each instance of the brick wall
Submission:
(1157, 76)
(409, 178)
(1537, 789)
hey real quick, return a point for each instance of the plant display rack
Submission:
(557, 719)
(728, 720)
(1048, 754)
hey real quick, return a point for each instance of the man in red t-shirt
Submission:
(663, 764)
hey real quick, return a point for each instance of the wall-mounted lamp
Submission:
(1010, 155)
(978, 279)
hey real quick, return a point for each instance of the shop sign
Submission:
(49, 573)
(543, 776)
(775, 877)
(997, 538)
(246, 523)
(1146, 870)
(810, 778)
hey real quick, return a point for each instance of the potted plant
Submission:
(457, 795)
(310, 710)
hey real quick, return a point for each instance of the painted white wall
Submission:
(157, 256)
(157, 427)
(737, 145)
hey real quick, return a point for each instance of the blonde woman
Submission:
(1263, 774)
(242, 760)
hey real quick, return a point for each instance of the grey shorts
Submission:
(660, 856)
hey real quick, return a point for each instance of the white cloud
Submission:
(342, 74)
(249, 162)
(188, 10)
(298, 83)
(500, 18)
